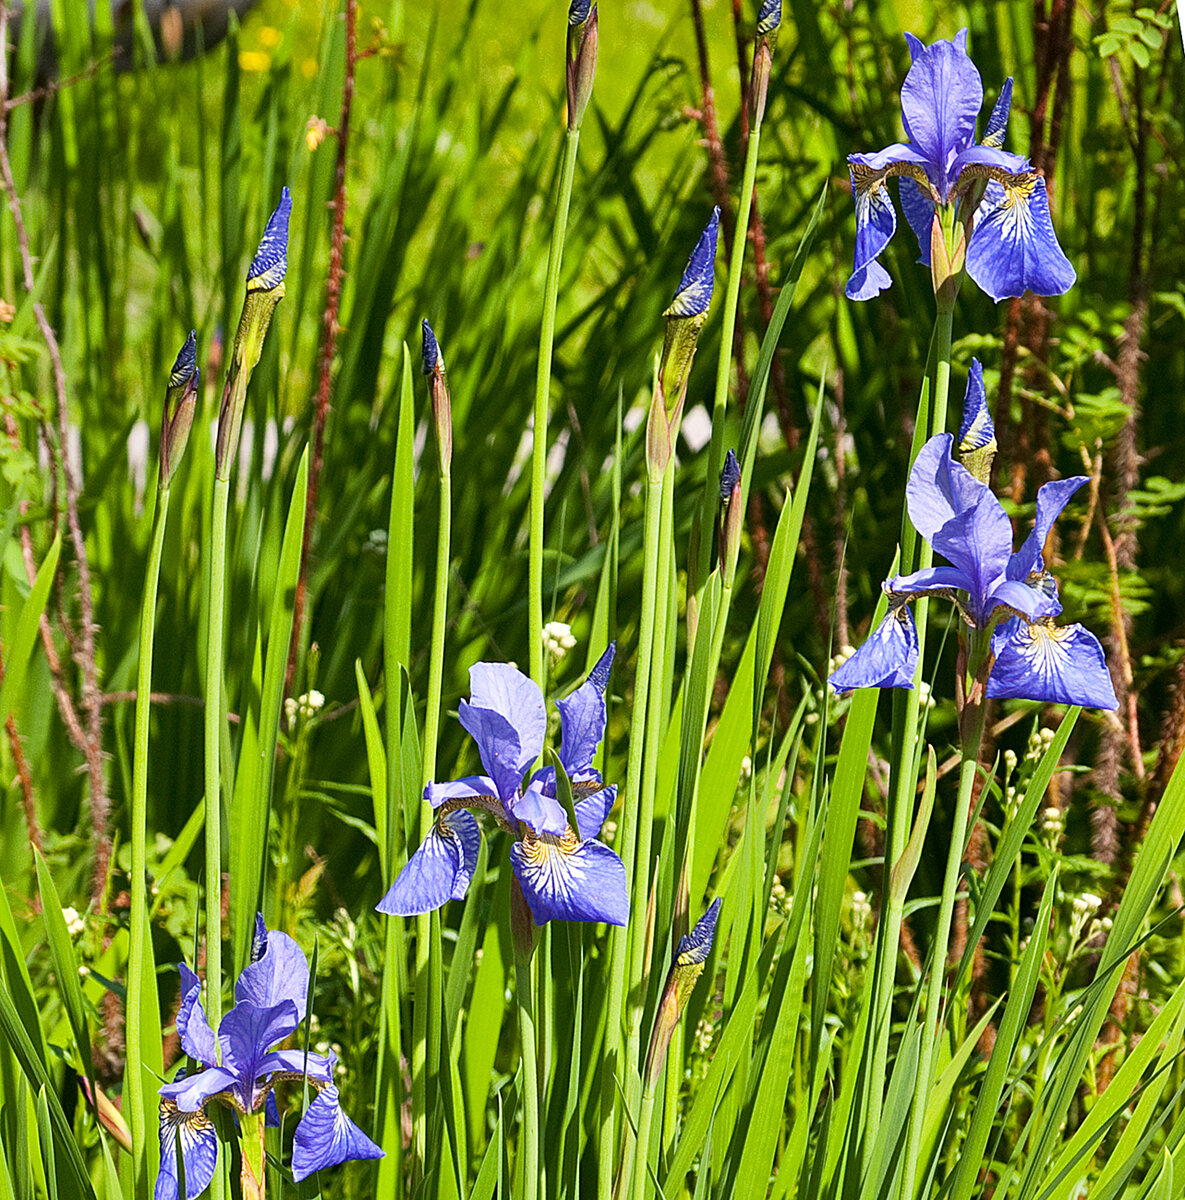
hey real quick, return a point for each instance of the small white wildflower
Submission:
(608, 831)
(74, 923)
(1086, 903)
(558, 639)
(83, 970)
(1009, 761)
(1051, 821)
(746, 767)
(925, 699)
(861, 908)
(703, 1036)
(303, 707)
(839, 658)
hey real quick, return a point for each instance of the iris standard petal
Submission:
(506, 717)
(939, 488)
(281, 973)
(326, 1137)
(1013, 246)
(940, 101)
(247, 1033)
(199, 1151)
(439, 870)
(593, 809)
(582, 718)
(1051, 499)
(539, 811)
(1064, 665)
(193, 1027)
(887, 659)
(565, 879)
(979, 542)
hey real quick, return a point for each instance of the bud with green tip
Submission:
(685, 971)
(685, 316)
(265, 289)
(442, 415)
(582, 58)
(180, 401)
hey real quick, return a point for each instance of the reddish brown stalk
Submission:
(329, 331)
(85, 653)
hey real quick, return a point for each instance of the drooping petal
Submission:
(940, 102)
(192, 1092)
(281, 973)
(539, 811)
(887, 659)
(997, 125)
(199, 1152)
(506, 717)
(439, 870)
(1051, 499)
(866, 282)
(876, 222)
(939, 488)
(326, 1137)
(594, 808)
(570, 880)
(247, 1033)
(193, 1027)
(979, 542)
(919, 212)
(582, 717)
(1013, 246)
(1042, 661)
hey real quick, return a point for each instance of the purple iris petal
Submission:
(458, 789)
(1021, 597)
(582, 718)
(247, 1033)
(1013, 247)
(439, 870)
(928, 580)
(939, 488)
(193, 1027)
(318, 1067)
(940, 101)
(506, 717)
(976, 430)
(582, 881)
(1044, 662)
(1051, 499)
(539, 811)
(990, 156)
(280, 973)
(887, 659)
(876, 222)
(199, 1151)
(191, 1092)
(326, 1137)
(919, 212)
(592, 811)
(979, 541)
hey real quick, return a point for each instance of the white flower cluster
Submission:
(74, 923)
(303, 707)
(557, 639)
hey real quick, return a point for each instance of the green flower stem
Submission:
(732, 295)
(641, 1154)
(139, 1116)
(915, 556)
(254, 1161)
(973, 722)
(529, 1173)
(542, 386)
(424, 1013)
(627, 833)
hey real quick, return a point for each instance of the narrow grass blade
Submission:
(16, 661)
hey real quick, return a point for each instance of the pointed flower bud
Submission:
(442, 412)
(997, 125)
(265, 289)
(694, 293)
(581, 57)
(180, 400)
(690, 956)
(769, 17)
(730, 517)
(977, 434)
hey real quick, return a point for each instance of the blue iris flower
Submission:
(998, 195)
(959, 516)
(271, 1000)
(565, 874)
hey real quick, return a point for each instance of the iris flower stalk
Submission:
(240, 1069)
(265, 289)
(685, 318)
(769, 18)
(581, 60)
(176, 421)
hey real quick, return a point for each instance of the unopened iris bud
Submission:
(442, 412)
(685, 316)
(977, 434)
(997, 125)
(769, 18)
(265, 289)
(582, 58)
(690, 956)
(730, 517)
(180, 400)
